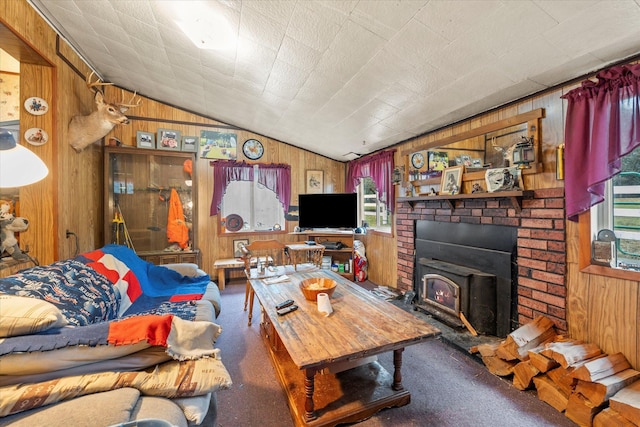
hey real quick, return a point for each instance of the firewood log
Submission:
(581, 410)
(523, 374)
(486, 349)
(516, 345)
(540, 361)
(498, 366)
(601, 368)
(558, 343)
(550, 393)
(610, 418)
(567, 355)
(601, 390)
(563, 379)
(626, 402)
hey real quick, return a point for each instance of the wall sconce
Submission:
(524, 153)
(19, 166)
(560, 162)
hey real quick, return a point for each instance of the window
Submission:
(258, 206)
(615, 223)
(250, 197)
(370, 209)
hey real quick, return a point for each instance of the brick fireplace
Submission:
(541, 250)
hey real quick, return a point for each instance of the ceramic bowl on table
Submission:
(316, 285)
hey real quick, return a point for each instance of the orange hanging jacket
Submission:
(177, 230)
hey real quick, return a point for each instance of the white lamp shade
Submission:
(19, 166)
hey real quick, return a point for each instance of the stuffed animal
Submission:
(9, 225)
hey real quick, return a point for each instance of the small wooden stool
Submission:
(221, 265)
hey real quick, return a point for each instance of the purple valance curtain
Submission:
(603, 125)
(276, 177)
(379, 167)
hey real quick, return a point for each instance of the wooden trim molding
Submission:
(584, 254)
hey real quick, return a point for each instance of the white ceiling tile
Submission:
(324, 75)
(392, 14)
(296, 53)
(595, 27)
(417, 44)
(260, 29)
(437, 16)
(279, 11)
(566, 9)
(311, 28)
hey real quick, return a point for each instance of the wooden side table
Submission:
(221, 265)
(9, 266)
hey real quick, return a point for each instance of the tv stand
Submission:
(326, 238)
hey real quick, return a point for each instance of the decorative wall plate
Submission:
(36, 106)
(36, 136)
(252, 149)
(234, 222)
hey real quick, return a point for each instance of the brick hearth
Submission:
(541, 258)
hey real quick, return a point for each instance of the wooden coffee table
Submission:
(308, 349)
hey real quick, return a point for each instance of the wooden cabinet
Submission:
(338, 256)
(139, 185)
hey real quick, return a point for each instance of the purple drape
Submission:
(276, 177)
(379, 167)
(603, 125)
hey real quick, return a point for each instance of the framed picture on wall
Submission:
(503, 179)
(168, 140)
(314, 182)
(237, 247)
(218, 145)
(190, 144)
(451, 180)
(145, 140)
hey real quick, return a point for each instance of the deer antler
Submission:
(92, 85)
(130, 103)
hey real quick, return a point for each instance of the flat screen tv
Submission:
(331, 210)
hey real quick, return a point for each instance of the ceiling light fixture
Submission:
(205, 27)
(19, 166)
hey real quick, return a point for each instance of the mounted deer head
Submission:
(507, 153)
(85, 130)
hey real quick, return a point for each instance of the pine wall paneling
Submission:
(213, 244)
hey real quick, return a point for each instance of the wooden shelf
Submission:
(515, 197)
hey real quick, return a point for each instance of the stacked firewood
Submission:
(591, 388)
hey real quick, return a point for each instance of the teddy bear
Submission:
(9, 225)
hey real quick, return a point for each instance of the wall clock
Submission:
(252, 149)
(417, 160)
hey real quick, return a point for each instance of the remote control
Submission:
(284, 304)
(286, 310)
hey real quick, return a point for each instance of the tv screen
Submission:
(334, 210)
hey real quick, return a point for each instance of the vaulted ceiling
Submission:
(346, 78)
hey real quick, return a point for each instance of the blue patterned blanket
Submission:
(107, 284)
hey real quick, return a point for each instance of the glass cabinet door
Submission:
(149, 202)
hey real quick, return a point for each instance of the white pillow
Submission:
(25, 316)
(195, 408)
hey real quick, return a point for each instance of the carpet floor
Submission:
(448, 387)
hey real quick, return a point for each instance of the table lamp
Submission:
(18, 165)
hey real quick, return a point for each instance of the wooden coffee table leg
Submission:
(397, 365)
(309, 379)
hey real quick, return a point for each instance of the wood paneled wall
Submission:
(213, 244)
(69, 197)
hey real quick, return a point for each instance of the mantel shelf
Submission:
(514, 196)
